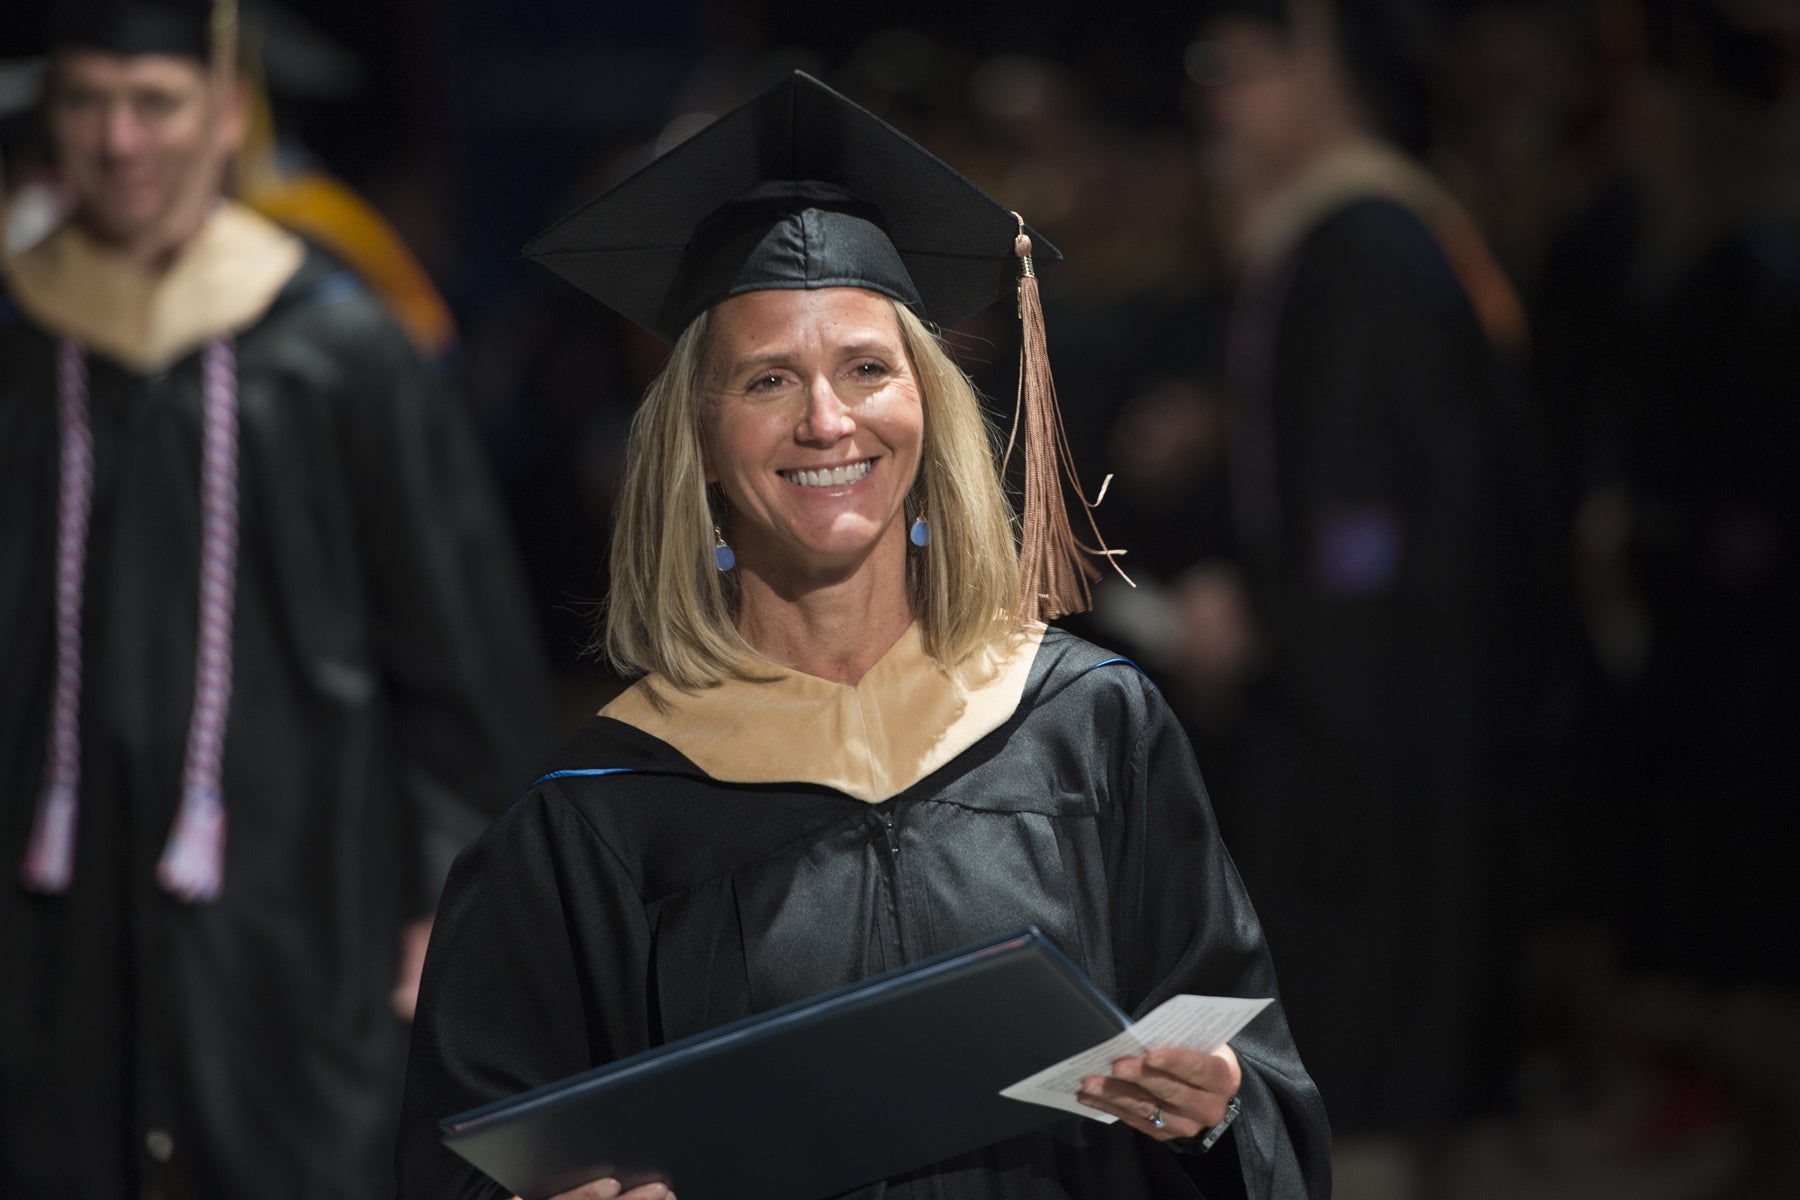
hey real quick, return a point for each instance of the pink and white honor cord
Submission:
(50, 854)
(192, 866)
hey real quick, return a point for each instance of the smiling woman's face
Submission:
(814, 429)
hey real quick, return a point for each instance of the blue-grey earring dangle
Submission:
(724, 558)
(920, 532)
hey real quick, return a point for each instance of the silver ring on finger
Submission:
(1156, 1118)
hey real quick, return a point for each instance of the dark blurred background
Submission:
(1588, 985)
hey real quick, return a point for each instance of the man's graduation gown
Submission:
(384, 680)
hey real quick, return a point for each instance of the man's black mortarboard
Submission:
(297, 61)
(184, 28)
(798, 188)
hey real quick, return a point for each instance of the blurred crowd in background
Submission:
(1446, 361)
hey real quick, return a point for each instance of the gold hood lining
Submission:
(221, 283)
(909, 716)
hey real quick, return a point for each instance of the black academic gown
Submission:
(384, 681)
(627, 900)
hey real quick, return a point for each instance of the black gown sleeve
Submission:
(535, 972)
(1185, 924)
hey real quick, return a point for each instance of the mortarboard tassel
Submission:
(1054, 567)
(223, 31)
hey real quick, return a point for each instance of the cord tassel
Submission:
(50, 855)
(1055, 571)
(192, 867)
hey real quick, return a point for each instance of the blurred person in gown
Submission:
(285, 63)
(1360, 624)
(272, 664)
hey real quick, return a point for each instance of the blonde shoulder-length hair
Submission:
(673, 614)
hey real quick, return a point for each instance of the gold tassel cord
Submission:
(225, 40)
(1055, 571)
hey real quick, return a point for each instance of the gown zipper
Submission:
(891, 860)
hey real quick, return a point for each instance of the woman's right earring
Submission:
(724, 558)
(920, 532)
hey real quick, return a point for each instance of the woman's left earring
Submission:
(724, 558)
(920, 532)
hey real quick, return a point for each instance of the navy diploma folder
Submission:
(815, 1097)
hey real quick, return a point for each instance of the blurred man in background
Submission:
(1377, 568)
(271, 664)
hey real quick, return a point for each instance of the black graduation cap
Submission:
(126, 27)
(298, 61)
(798, 188)
(130, 27)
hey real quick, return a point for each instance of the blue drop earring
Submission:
(724, 558)
(919, 534)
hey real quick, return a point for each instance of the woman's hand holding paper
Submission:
(1169, 1093)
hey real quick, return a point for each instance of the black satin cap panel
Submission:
(786, 235)
(798, 188)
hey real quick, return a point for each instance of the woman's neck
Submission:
(834, 630)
